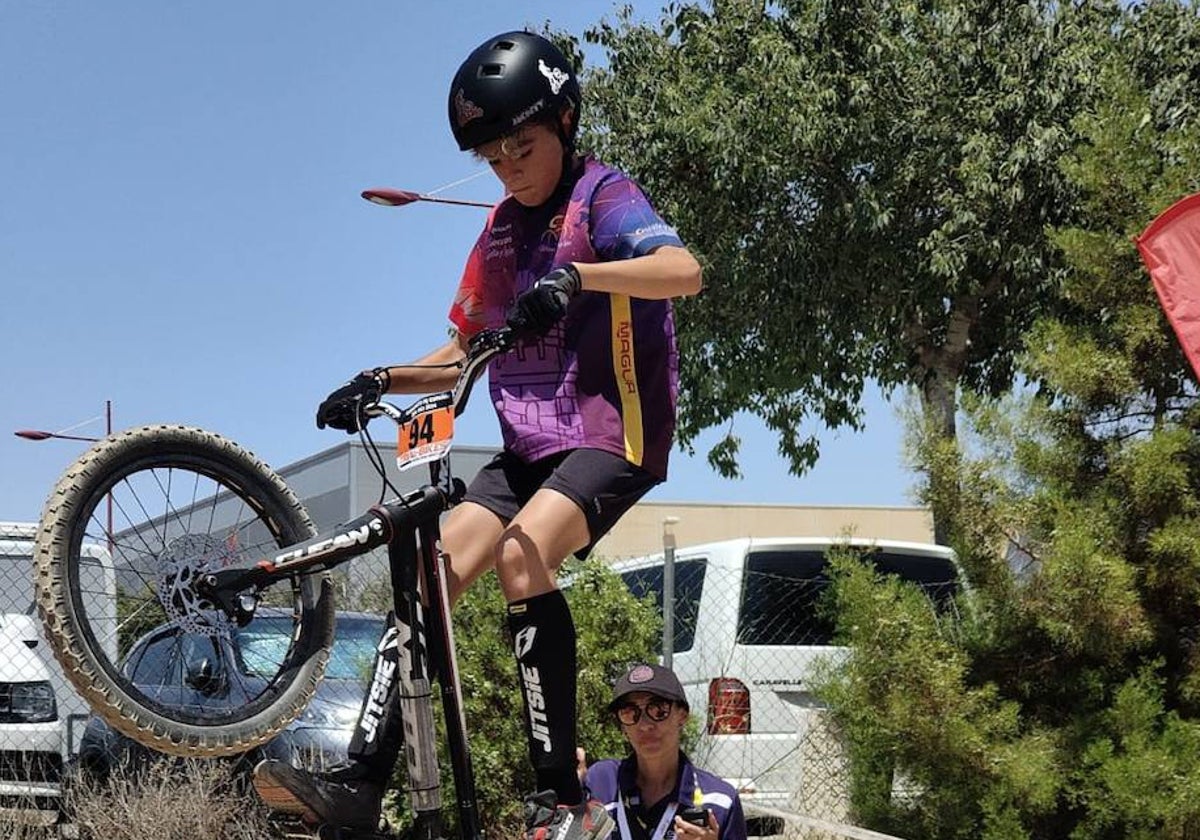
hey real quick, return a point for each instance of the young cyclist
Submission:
(576, 260)
(657, 793)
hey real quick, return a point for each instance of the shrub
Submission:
(168, 801)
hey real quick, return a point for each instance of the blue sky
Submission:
(181, 230)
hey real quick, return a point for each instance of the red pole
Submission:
(108, 433)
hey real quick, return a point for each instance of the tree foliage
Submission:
(868, 184)
(1068, 704)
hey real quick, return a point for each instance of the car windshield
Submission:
(264, 643)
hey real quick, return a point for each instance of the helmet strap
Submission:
(568, 144)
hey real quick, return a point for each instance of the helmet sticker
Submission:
(556, 77)
(529, 112)
(465, 109)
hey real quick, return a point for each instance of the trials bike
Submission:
(192, 530)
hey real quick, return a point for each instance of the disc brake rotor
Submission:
(181, 563)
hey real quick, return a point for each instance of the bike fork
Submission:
(416, 651)
(433, 565)
(415, 692)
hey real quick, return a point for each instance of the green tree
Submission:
(1068, 704)
(869, 185)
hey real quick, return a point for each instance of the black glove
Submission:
(343, 408)
(541, 307)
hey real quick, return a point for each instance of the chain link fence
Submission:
(37, 715)
(751, 638)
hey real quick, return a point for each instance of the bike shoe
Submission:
(545, 819)
(340, 797)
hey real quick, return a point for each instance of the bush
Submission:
(178, 801)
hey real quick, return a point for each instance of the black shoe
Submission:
(341, 797)
(545, 819)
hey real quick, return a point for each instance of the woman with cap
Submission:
(579, 264)
(657, 793)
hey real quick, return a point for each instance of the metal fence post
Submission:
(668, 596)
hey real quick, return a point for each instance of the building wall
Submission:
(641, 530)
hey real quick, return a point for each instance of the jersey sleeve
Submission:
(625, 224)
(601, 781)
(734, 827)
(467, 310)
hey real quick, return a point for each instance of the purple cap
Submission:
(652, 679)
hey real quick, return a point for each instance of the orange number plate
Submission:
(425, 437)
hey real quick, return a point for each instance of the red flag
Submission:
(1170, 248)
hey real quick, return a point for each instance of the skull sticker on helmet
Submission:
(465, 108)
(556, 77)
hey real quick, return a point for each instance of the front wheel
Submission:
(125, 533)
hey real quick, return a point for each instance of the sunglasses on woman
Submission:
(657, 709)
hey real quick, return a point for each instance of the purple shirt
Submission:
(614, 783)
(606, 376)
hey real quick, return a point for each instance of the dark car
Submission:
(186, 669)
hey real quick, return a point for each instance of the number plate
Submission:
(428, 432)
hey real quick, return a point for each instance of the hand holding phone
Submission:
(694, 815)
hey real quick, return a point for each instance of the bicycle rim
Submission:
(123, 538)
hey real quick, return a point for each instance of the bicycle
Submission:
(211, 533)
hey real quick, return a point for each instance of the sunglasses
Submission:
(511, 146)
(658, 709)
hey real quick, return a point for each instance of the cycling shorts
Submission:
(602, 484)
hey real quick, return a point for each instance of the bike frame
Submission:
(409, 527)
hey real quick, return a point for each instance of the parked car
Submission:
(30, 732)
(748, 640)
(186, 669)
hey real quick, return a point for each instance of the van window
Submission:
(781, 591)
(689, 585)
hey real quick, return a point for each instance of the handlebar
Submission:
(482, 348)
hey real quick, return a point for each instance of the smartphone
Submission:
(694, 815)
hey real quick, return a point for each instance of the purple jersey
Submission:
(606, 376)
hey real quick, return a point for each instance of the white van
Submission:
(42, 717)
(30, 732)
(747, 639)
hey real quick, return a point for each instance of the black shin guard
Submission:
(544, 644)
(379, 735)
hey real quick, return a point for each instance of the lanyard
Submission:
(665, 825)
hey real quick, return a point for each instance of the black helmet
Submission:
(506, 81)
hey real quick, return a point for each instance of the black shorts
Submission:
(602, 484)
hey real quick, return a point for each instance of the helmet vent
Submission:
(491, 70)
(504, 45)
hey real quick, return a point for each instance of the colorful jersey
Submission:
(606, 376)
(614, 783)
